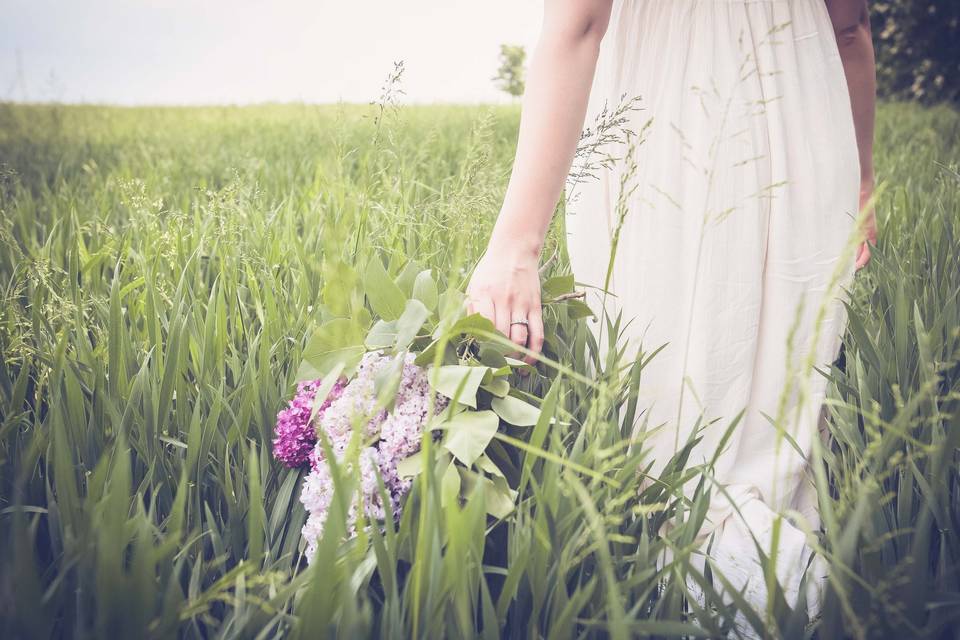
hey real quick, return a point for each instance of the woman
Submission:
(733, 228)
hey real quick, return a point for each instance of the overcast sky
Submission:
(242, 51)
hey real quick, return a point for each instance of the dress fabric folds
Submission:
(733, 215)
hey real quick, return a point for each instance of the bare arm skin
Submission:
(851, 23)
(505, 286)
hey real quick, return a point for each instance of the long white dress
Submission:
(734, 245)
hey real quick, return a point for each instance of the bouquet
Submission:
(369, 392)
(387, 438)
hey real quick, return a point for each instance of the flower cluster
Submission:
(296, 437)
(385, 439)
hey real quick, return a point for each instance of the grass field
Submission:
(161, 271)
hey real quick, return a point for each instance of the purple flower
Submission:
(386, 439)
(317, 496)
(295, 436)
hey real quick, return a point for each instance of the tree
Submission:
(510, 75)
(918, 49)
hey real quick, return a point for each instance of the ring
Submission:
(523, 322)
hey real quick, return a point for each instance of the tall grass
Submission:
(161, 270)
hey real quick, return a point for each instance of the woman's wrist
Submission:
(514, 247)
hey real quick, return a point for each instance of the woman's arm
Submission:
(851, 23)
(505, 286)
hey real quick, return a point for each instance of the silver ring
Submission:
(523, 322)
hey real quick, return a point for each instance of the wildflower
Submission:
(295, 435)
(317, 497)
(387, 438)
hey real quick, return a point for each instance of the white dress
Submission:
(735, 246)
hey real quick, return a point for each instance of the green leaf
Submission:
(425, 289)
(556, 286)
(486, 464)
(338, 341)
(385, 296)
(513, 362)
(409, 323)
(498, 387)
(469, 433)
(324, 389)
(256, 516)
(339, 284)
(516, 411)
(412, 466)
(470, 324)
(499, 498)
(382, 334)
(450, 485)
(539, 433)
(451, 302)
(458, 382)
(578, 309)
(387, 381)
(407, 277)
(426, 357)
(493, 355)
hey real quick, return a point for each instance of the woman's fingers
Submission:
(535, 334)
(863, 255)
(869, 225)
(502, 320)
(522, 323)
(865, 251)
(483, 306)
(519, 333)
(500, 313)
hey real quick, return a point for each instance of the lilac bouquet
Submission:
(369, 391)
(387, 438)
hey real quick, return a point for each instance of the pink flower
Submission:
(386, 439)
(295, 436)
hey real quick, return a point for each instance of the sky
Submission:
(247, 51)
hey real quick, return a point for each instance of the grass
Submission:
(161, 270)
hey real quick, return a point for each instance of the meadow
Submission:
(161, 271)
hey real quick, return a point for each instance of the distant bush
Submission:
(918, 49)
(510, 74)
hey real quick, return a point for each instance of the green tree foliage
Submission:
(918, 49)
(510, 75)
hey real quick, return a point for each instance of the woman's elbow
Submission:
(851, 22)
(577, 21)
(593, 26)
(852, 36)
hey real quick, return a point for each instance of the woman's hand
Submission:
(505, 287)
(869, 224)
